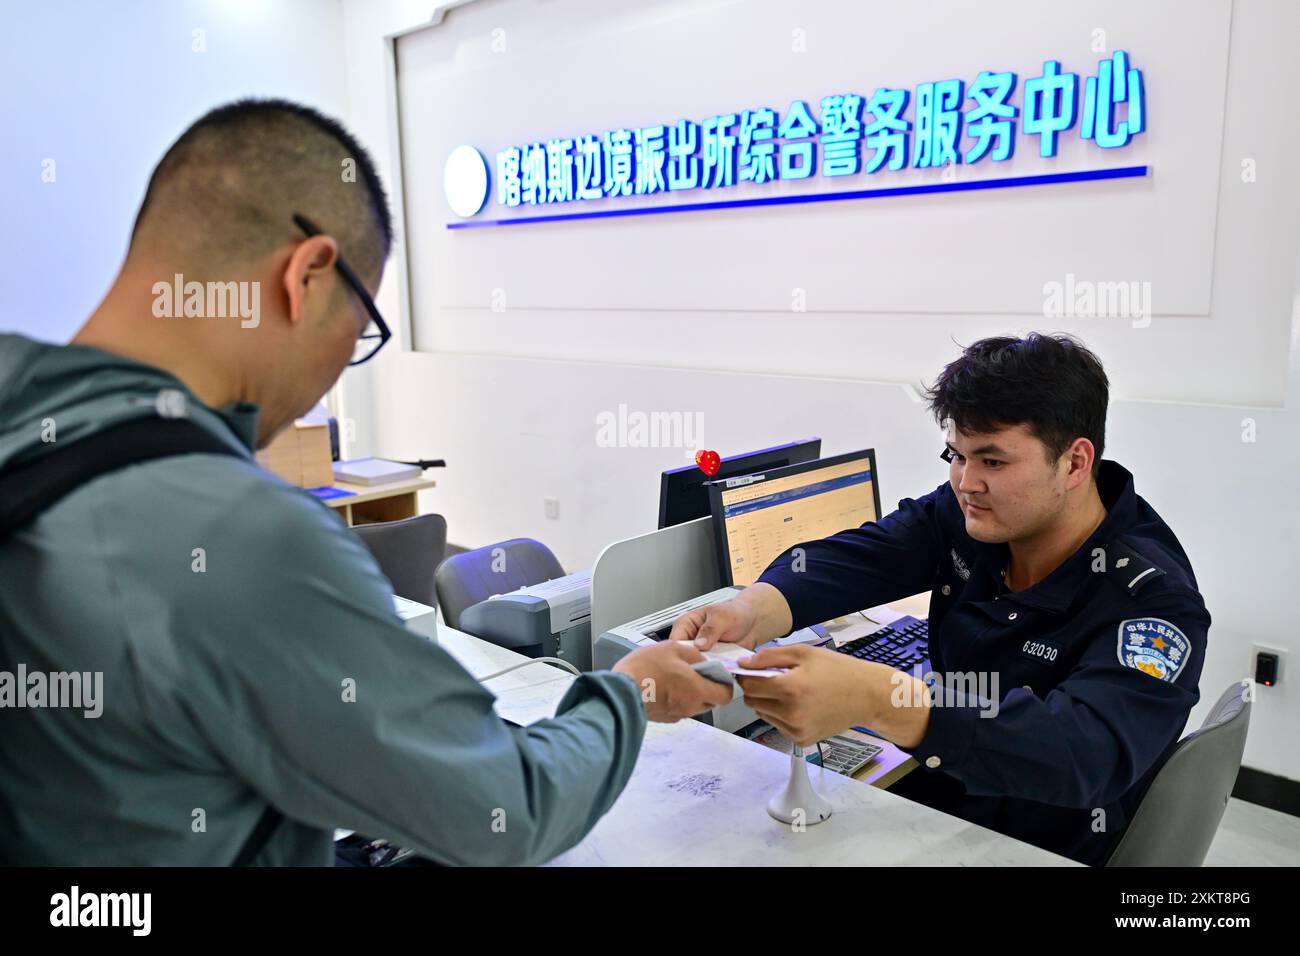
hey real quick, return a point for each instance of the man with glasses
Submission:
(1067, 634)
(258, 689)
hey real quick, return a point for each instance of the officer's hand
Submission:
(818, 697)
(734, 621)
(670, 689)
(824, 692)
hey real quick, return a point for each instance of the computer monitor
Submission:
(757, 517)
(682, 496)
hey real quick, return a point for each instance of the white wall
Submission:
(517, 429)
(858, 270)
(103, 89)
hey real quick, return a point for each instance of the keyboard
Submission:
(843, 754)
(903, 644)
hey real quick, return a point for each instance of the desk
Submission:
(532, 693)
(388, 502)
(698, 797)
(524, 696)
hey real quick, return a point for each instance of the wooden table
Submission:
(388, 502)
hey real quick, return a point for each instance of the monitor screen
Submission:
(757, 517)
(683, 495)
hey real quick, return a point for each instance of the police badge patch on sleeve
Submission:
(1153, 647)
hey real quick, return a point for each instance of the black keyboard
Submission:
(903, 644)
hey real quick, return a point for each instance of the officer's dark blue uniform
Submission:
(1097, 665)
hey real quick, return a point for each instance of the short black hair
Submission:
(229, 186)
(1052, 384)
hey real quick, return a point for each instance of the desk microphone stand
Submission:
(799, 796)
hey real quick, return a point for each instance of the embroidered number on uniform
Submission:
(1153, 646)
(1037, 649)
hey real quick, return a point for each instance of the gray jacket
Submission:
(225, 671)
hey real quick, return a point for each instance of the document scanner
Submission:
(652, 628)
(552, 619)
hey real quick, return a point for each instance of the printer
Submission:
(552, 619)
(417, 617)
(652, 628)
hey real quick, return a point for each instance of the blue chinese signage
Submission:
(849, 136)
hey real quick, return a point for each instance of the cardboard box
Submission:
(314, 455)
(300, 455)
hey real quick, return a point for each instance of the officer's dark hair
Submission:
(227, 189)
(1052, 384)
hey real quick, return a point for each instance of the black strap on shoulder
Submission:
(266, 825)
(33, 487)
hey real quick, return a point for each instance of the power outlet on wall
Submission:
(1277, 652)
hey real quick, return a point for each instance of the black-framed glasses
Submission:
(370, 341)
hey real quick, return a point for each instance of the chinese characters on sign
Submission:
(850, 135)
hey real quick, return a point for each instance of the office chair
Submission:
(1180, 812)
(465, 579)
(408, 552)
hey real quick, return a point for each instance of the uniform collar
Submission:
(1056, 591)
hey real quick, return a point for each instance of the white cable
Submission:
(535, 660)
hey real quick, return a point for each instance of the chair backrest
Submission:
(465, 579)
(1180, 812)
(408, 552)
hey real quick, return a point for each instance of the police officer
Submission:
(1067, 633)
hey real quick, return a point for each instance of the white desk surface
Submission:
(698, 797)
(529, 694)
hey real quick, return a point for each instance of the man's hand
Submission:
(755, 616)
(824, 693)
(670, 689)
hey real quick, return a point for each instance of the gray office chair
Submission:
(1180, 812)
(465, 579)
(408, 552)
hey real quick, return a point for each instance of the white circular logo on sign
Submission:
(465, 180)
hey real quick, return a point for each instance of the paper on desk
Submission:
(802, 636)
(884, 614)
(527, 705)
(851, 627)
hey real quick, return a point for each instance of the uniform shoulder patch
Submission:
(1153, 646)
(1128, 569)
